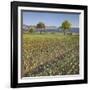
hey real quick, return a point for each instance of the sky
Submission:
(49, 19)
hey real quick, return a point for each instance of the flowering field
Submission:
(49, 55)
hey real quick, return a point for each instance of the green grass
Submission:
(50, 54)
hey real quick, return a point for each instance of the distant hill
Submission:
(25, 27)
(49, 29)
(75, 30)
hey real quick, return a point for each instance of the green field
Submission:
(49, 54)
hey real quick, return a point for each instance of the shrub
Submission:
(69, 33)
(31, 30)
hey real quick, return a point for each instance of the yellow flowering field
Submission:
(49, 55)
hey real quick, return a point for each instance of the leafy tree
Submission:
(66, 25)
(31, 30)
(40, 26)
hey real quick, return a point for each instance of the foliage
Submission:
(66, 25)
(40, 26)
(69, 33)
(31, 30)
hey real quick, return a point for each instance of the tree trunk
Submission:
(40, 32)
(64, 33)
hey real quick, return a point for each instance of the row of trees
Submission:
(66, 25)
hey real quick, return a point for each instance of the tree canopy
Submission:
(40, 25)
(66, 25)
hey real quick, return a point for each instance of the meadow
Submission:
(49, 54)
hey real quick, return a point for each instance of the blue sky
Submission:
(50, 19)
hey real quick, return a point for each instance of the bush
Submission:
(31, 30)
(69, 33)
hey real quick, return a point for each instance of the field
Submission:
(49, 54)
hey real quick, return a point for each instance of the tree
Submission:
(66, 25)
(31, 30)
(40, 26)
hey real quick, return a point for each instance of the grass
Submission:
(50, 54)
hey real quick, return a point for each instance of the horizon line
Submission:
(49, 25)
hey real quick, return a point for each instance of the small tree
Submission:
(31, 30)
(66, 25)
(40, 26)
